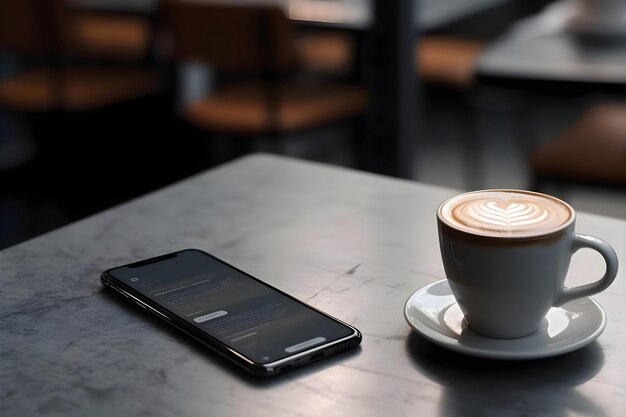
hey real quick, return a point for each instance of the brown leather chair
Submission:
(254, 43)
(36, 30)
(327, 53)
(591, 150)
(448, 62)
(74, 112)
(110, 36)
(440, 60)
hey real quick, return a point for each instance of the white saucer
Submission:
(433, 312)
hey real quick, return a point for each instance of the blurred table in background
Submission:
(564, 52)
(543, 51)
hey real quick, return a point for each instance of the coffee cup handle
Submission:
(610, 258)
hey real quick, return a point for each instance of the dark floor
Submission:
(77, 165)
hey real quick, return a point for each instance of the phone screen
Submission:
(243, 313)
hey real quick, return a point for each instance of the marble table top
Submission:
(355, 245)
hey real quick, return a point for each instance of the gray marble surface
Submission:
(352, 244)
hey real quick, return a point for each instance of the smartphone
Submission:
(255, 325)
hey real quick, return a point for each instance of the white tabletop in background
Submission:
(542, 48)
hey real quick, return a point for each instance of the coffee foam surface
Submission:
(504, 213)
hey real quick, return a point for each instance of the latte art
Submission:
(506, 213)
(510, 214)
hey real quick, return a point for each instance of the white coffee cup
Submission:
(506, 254)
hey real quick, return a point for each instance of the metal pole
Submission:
(391, 125)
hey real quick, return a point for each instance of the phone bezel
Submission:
(256, 368)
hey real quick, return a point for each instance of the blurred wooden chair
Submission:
(35, 31)
(440, 60)
(74, 89)
(592, 150)
(447, 62)
(76, 112)
(253, 46)
(116, 37)
(327, 53)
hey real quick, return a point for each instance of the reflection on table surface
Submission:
(549, 387)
